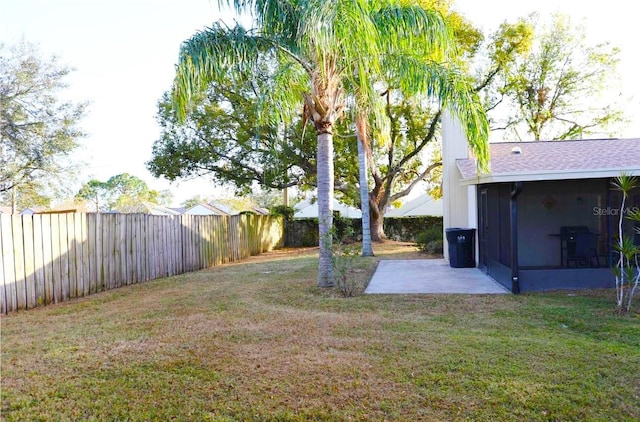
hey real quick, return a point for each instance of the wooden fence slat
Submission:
(89, 253)
(85, 247)
(155, 253)
(55, 257)
(150, 249)
(64, 257)
(129, 240)
(170, 250)
(218, 239)
(138, 247)
(18, 260)
(133, 271)
(185, 242)
(199, 242)
(113, 251)
(212, 240)
(108, 230)
(3, 295)
(193, 248)
(145, 248)
(176, 242)
(184, 234)
(71, 255)
(164, 247)
(10, 300)
(122, 249)
(47, 258)
(79, 244)
(207, 240)
(29, 261)
(178, 245)
(38, 260)
(118, 265)
(97, 262)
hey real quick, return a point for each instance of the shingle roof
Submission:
(554, 158)
(418, 206)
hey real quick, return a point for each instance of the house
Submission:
(210, 209)
(6, 210)
(156, 209)
(531, 205)
(32, 210)
(418, 206)
(308, 208)
(217, 208)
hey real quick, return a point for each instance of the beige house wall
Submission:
(460, 208)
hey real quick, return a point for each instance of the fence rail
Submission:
(51, 258)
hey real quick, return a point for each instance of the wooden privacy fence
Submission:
(50, 258)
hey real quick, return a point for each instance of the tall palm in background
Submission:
(318, 46)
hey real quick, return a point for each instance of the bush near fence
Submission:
(50, 258)
(304, 231)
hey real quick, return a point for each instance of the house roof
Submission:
(208, 209)
(555, 160)
(155, 209)
(308, 208)
(419, 206)
(257, 210)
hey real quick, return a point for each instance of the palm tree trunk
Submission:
(325, 208)
(367, 248)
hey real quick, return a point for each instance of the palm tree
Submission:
(362, 131)
(318, 45)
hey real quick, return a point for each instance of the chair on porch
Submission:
(582, 250)
(568, 242)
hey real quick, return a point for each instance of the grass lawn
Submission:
(256, 340)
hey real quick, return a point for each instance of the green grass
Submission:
(258, 341)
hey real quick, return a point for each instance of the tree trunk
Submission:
(367, 248)
(325, 208)
(14, 202)
(377, 220)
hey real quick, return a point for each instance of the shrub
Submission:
(344, 262)
(283, 210)
(430, 240)
(435, 247)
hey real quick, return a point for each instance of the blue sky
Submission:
(124, 52)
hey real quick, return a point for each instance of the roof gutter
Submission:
(533, 176)
(513, 205)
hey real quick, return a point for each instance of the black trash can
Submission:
(462, 247)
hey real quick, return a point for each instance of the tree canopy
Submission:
(123, 193)
(558, 88)
(38, 130)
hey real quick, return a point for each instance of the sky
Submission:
(124, 54)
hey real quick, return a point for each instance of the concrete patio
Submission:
(430, 276)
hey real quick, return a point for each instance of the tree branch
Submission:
(417, 180)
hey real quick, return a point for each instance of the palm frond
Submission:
(451, 89)
(209, 55)
(413, 28)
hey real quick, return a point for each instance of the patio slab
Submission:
(430, 276)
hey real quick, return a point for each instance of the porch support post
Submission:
(515, 280)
